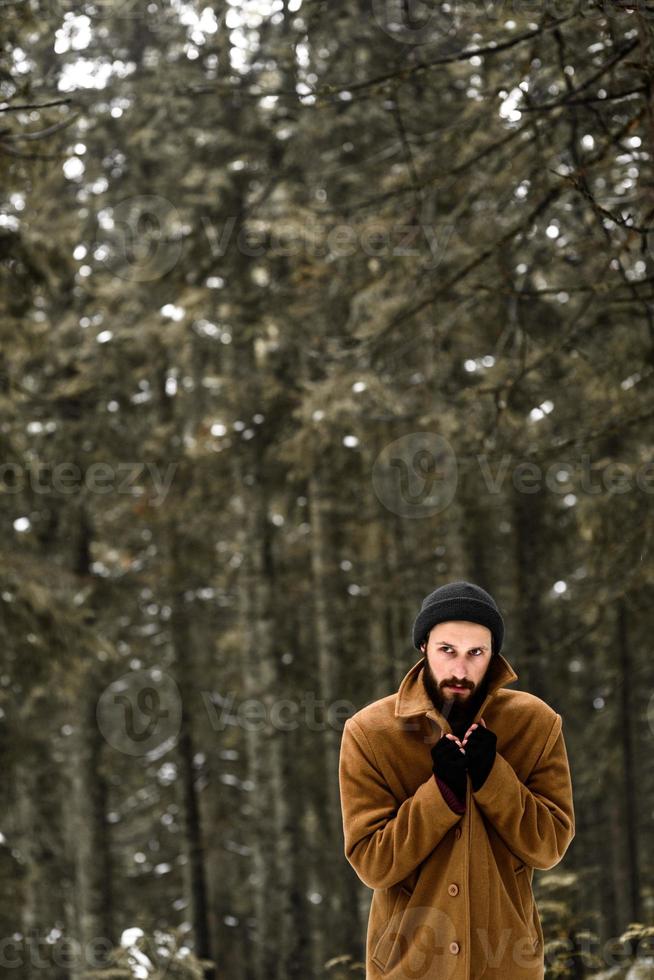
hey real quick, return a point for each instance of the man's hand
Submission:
(449, 765)
(479, 748)
(465, 737)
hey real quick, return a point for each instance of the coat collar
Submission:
(412, 698)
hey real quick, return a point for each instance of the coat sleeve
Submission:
(536, 821)
(384, 843)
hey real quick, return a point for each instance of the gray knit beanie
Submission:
(459, 600)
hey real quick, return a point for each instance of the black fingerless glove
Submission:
(449, 764)
(480, 754)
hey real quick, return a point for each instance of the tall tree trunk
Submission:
(26, 838)
(616, 885)
(339, 883)
(89, 835)
(89, 831)
(378, 637)
(185, 676)
(476, 531)
(265, 743)
(529, 537)
(629, 779)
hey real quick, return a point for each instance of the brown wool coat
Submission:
(452, 894)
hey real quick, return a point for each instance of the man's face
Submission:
(458, 654)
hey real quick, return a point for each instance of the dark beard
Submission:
(458, 714)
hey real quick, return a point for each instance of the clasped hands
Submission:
(453, 759)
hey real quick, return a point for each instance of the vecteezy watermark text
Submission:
(68, 478)
(417, 475)
(280, 714)
(140, 712)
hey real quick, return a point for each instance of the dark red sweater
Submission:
(450, 797)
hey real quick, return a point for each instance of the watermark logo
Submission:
(416, 475)
(139, 239)
(140, 712)
(413, 21)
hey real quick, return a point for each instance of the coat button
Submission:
(453, 889)
(457, 832)
(454, 947)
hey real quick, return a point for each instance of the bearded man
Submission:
(453, 790)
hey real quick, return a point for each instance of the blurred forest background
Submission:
(307, 308)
